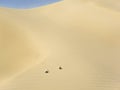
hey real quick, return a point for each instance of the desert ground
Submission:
(83, 38)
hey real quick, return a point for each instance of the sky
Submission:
(24, 4)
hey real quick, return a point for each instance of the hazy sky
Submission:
(25, 3)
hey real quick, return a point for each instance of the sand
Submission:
(82, 38)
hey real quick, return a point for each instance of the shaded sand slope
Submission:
(83, 38)
(19, 47)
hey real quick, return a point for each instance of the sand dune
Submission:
(83, 38)
(112, 4)
(18, 45)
